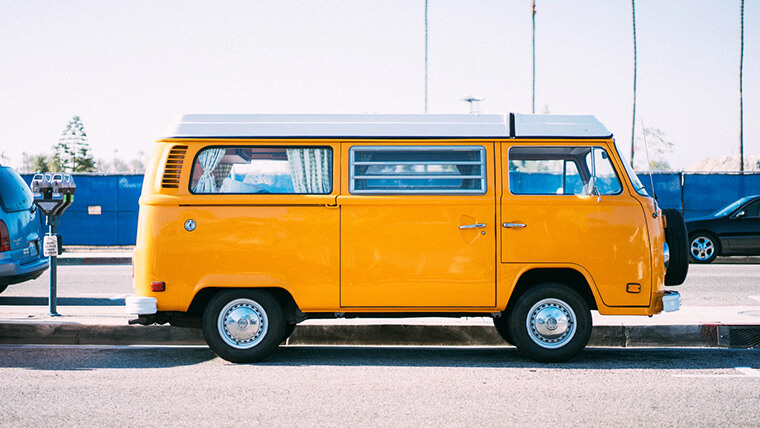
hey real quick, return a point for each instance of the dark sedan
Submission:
(731, 231)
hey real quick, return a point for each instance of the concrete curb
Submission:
(93, 261)
(707, 335)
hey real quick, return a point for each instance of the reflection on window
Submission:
(418, 170)
(560, 170)
(274, 170)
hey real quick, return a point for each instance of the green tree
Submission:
(72, 153)
(35, 163)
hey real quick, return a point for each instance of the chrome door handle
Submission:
(473, 226)
(508, 225)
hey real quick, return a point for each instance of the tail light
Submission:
(5, 237)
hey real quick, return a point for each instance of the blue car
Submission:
(20, 231)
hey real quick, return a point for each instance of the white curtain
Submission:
(209, 160)
(310, 170)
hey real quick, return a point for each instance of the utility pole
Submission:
(426, 56)
(741, 95)
(635, 63)
(533, 13)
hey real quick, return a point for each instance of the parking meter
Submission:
(53, 194)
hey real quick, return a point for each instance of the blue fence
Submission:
(104, 211)
(105, 207)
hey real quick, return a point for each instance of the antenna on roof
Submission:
(649, 163)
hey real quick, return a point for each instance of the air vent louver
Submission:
(173, 167)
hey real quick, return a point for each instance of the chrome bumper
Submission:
(135, 305)
(671, 301)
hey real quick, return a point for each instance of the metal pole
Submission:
(741, 95)
(533, 11)
(426, 56)
(52, 223)
(633, 124)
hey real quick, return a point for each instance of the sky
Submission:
(129, 68)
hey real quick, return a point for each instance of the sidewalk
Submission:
(707, 326)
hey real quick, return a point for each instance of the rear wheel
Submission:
(703, 247)
(550, 323)
(243, 326)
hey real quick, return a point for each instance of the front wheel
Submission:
(243, 326)
(550, 323)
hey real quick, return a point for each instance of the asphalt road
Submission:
(706, 285)
(346, 386)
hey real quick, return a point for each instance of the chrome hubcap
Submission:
(551, 323)
(243, 323)
(702, 248)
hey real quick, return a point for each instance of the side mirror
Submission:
(740, 214)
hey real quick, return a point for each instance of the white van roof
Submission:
(386, 126)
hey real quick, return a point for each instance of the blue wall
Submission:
(117, 196)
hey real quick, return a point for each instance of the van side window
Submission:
(418, 170)
(273, 170)
(560, 170)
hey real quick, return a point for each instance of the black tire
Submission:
(704, 247)
(550, 301)
(288, 331)
(243, 343)
(677, 239)
(502, 327)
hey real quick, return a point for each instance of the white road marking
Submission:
(746, 373)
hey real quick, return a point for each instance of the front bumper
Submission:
(671, 301)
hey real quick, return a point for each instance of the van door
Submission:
(565, 205)
(418, 225)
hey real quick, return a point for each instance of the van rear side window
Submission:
(263, 170)
(418, 170)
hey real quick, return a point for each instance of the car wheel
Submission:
(502, 327)
(243, 326)
(288, 331)
(703, 248)
(550, 323)
(676, 237)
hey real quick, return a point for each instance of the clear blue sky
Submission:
(129, 67)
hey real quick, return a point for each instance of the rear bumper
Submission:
(14, 273)
(135, 305)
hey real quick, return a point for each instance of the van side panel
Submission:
(290, 247)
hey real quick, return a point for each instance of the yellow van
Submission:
(250, 224)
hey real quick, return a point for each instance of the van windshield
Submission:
(14, 193)
(640, 188)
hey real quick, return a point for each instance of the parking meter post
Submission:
(52, 222)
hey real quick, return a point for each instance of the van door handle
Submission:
(508, 225)
(473, 226)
